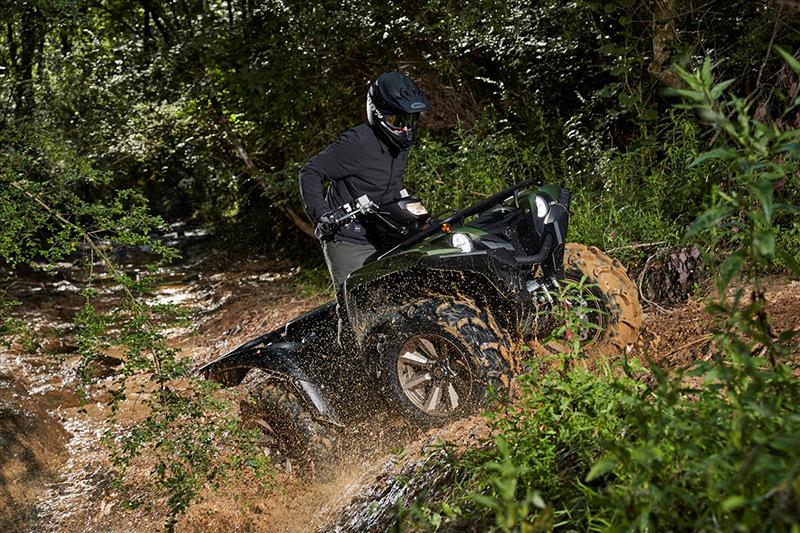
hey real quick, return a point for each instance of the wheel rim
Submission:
(434, 374)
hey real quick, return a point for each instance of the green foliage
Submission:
(511, 512)
(635, 197)
(575, 313)
(471, 167)
(762, 155)
(153, 97)
(14, 328)
(709, 448)
(719, 454)
(547, 439)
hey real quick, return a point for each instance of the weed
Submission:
(314, 281)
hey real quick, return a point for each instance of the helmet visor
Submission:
(407, 120)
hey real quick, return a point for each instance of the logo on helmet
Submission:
(418, 105)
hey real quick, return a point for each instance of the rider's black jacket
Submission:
(359, 162)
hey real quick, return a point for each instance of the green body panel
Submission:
(471, 230)
(528, 202)
(437, 244)
(553, 191)
(400, 261)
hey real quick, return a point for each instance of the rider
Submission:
(366, 160)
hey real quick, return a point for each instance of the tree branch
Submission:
(96, 249)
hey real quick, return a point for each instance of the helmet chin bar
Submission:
(401, 139)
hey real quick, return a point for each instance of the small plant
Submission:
(527, 513)
(310, 282)
(577, 313)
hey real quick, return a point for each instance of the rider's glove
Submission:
(326, 226)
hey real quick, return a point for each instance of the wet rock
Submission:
(103, 366)
(59, 346)
(31, 446)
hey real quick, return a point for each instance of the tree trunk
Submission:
(148, 33)
(23, 96)
(160, 17)
(187, 13)
(663, 32)
(12, 45)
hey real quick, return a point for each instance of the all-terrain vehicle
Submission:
(434, 320)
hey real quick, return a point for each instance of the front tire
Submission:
(612, 294)
(439, 356)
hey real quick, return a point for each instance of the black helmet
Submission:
(394, 103)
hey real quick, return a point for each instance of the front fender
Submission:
(277, 358)
(478, 277)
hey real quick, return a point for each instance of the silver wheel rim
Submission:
(434, 374)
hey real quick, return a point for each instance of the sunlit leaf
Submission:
(719, 88)
(724, 152)
(764, 243)
(733, 502)
(763, 191)
(627, 100)
(601, 468)
(709, 219)
(793, 209)
(790, 262)
(486, 501)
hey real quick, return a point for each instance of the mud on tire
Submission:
(446, 344)
(278, 412)
(615, 293)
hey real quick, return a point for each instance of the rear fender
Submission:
(278, 359)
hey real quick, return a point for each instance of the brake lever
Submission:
(365, 206)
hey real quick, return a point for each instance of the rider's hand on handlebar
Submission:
(326, 226)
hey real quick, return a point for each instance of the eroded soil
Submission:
(231, 302)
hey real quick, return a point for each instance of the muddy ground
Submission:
(231, 301)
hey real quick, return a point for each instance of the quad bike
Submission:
(434, 318)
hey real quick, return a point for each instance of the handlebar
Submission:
(359, 206)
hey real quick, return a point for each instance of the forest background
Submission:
(207, 109)
(117, 117)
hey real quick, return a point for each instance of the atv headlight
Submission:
(416, 208)
(462, 242)
(542, 206)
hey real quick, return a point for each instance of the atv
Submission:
(434, 319)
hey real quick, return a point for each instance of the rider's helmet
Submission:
(394, 103)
